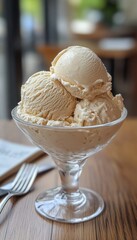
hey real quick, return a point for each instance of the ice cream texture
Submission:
(75, 92)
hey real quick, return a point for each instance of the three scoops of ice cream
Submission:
(75, 92)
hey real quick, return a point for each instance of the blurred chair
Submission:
(48, 52)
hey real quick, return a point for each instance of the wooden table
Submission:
(101, 31)
(112, 173)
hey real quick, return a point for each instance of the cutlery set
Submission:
(23, 181)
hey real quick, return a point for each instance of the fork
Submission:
(42, 168)
(22, 182)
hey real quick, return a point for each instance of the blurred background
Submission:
(33, 31)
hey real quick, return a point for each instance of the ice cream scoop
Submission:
(43, 98)
(81, 72)
(103, 109)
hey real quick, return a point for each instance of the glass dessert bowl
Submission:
(69, 147)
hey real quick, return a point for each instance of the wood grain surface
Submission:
(112, 173)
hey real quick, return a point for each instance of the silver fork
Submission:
(22, 183)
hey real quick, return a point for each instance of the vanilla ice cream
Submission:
(43, 98)
(81, 72)
(102, 109)
(75, 92)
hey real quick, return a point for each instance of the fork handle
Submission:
(4, 201)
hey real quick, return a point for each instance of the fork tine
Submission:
(27, 177)
(21, 170)
(29, 183)
(29, 173)
(20, 177)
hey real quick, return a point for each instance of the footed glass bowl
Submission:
(69, 147)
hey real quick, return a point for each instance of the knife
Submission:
(4, 189)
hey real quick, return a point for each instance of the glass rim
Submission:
(68, 128)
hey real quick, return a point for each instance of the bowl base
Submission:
(52, 204)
